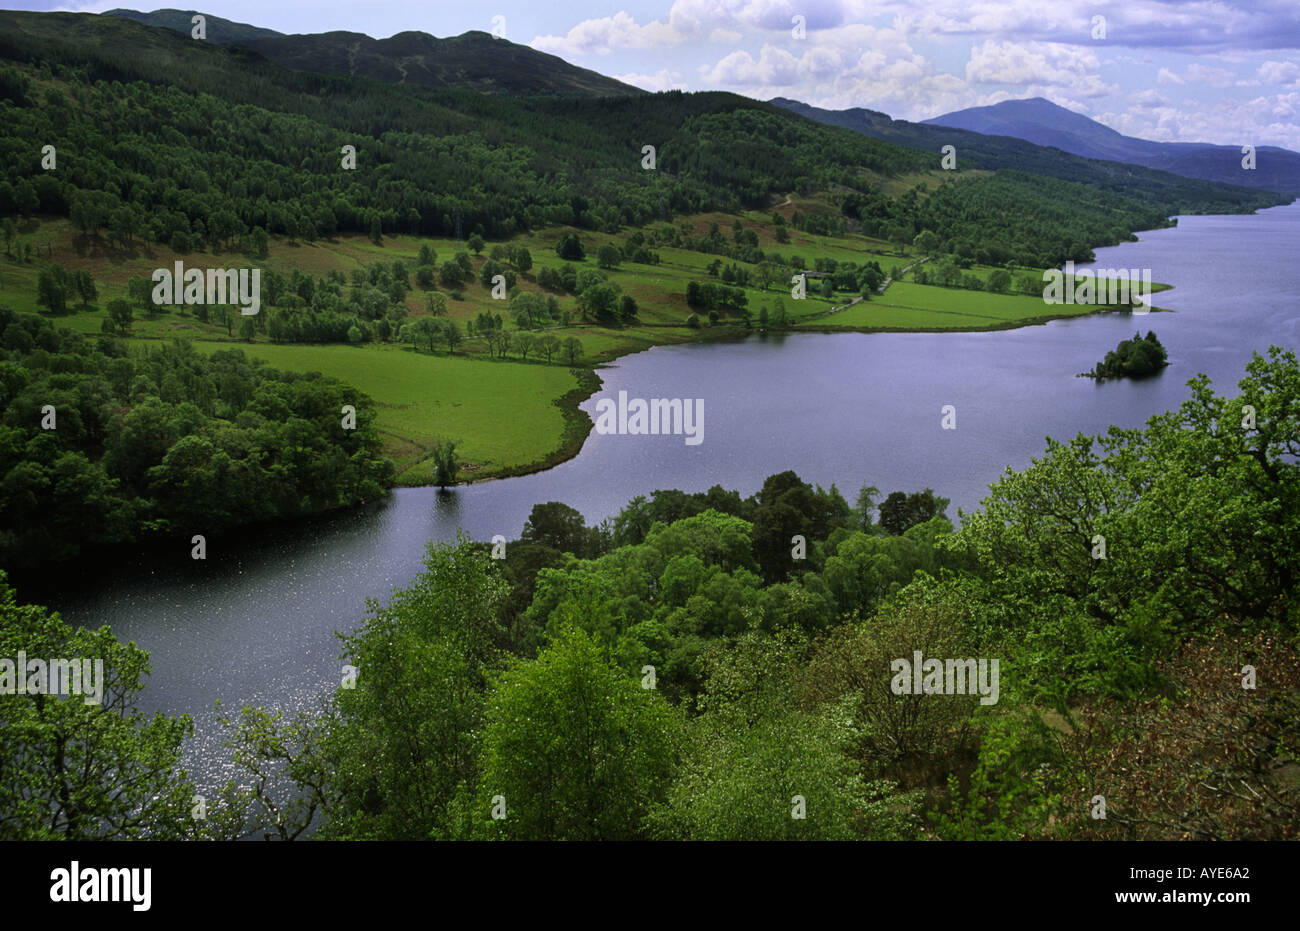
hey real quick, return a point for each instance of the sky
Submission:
(1220, 71)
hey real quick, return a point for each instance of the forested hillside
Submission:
(188, 143)
(475, 61)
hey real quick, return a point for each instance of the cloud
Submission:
(1157, 24)
(1272, 119)
(1043, 63)
(1148, 99)
(1283, 73)
(611, 33)
(661, 80)
(774, 68)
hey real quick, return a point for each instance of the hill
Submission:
(473, 61)
(1044, 123)
(219, 30)
(1007, 152)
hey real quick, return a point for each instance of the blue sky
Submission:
(1218, 71)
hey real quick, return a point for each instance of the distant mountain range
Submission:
(1044, 123)
(1003, 153)
(473, 61)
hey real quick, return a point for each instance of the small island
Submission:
(1134, 358)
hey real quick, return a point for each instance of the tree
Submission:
(427, 255)
(549, 344)
(436, 305)
(927, 242)
(119, 311)
(865, 506)
(491, 268)
(752, 756)
(85, 287)
(521, 258)
(427, 328)
(396, 758)
(247, 330)
(445, 464)
(900, 511)
(140, 290)
(86, 771)
(608, 256)
(52, 287)
(999, 280)
(560, 527)
(579, 750)
(573, 349)
(528, 309)
(627, 308)
(25, 199)
(475, 243)
(452, 274)
(451, 335)
(599, 300)
(524, 342)
(569, 247)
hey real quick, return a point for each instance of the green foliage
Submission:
(401, 743)
(756, 768)
(166, 441)
(900, 511)
(75, 770)
(569, 247)
(445, 464)
(575, 748)
(1136, 357)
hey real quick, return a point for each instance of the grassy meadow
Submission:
(509, 416)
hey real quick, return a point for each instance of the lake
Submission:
(255, 622)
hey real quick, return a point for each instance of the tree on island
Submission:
(1134, 357)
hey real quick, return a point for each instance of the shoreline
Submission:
(578, 423)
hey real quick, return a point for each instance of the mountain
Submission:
(998, 153)
(1044, 123)
(473, 61)
(221, 31)
(139, 104)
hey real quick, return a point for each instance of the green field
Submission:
(501, 414)
(511, 416)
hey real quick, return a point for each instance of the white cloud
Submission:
(661, 80)
(774, 68)
(611, 33)
(1284, 73)
(996, 62)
